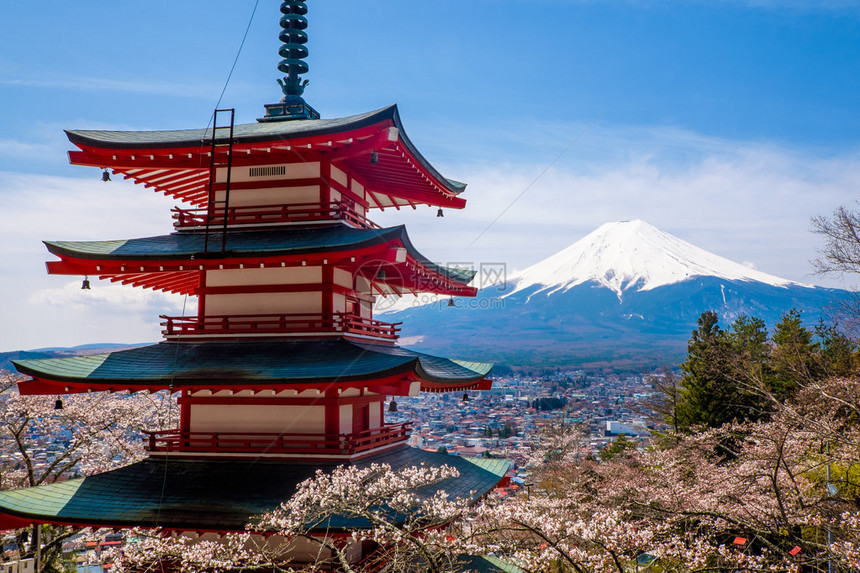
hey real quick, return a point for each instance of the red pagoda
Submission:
(284, 369)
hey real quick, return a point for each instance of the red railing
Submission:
(274, 443)
(269, 214)
(278, 324)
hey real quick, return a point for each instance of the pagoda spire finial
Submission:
(293, 51)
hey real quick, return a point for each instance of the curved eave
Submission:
(214, 495)
(176, 162)
(256, 365)
(173, 262)
(433, 379)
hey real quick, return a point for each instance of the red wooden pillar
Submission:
(325, 185)
(184, 411)
(360, 417)
(332, 415)
(201, 296)
(327, 292)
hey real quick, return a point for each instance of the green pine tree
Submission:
(722, 373)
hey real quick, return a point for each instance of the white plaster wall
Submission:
(264, 303)
(264, 276)
(375, 415)
(272, 196)
(343, 278)
(339, 303)
(257, 418)
(291, 171)
(366, 309)
(346, 419)
(362, 284)
(339, 176)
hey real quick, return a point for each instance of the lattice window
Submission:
(268, 171)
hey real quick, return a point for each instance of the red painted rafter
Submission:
(167, 274)
(396, 384)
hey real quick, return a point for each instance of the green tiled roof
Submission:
(252, 361)
(239, 243)
(253, 132)
(246, 132)
(485, 564)
(493, 465)
(292, 241)
(187, 494)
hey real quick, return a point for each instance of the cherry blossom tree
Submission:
(45, 439)
(399, 513)
(748, 496)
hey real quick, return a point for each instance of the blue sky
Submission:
(728, 123)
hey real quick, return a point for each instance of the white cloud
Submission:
(37, 207)
(39, 310)
(95, 84)
(10, 148)
(113, 298)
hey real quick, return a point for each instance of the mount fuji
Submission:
(626, 296)
(632, 255)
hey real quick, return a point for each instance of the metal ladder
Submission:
(220, 155)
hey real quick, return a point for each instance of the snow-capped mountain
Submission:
(632, 255)
(627, 294)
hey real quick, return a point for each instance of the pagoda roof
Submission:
(485, 564)
(207, 495)
(170, 262)
(177, 163)
(255, 364)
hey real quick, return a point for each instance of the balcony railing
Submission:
(277, 324)
(271, 214)
(274, 443)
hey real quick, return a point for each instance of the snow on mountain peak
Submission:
(628, 254)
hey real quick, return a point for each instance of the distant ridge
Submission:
(626, 296)
(87, 348)
(6, 358)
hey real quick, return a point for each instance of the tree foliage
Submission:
(89, 433)
(618, 447)
(398, 512)
(741, 374)
(841, 251)
(685, 502)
